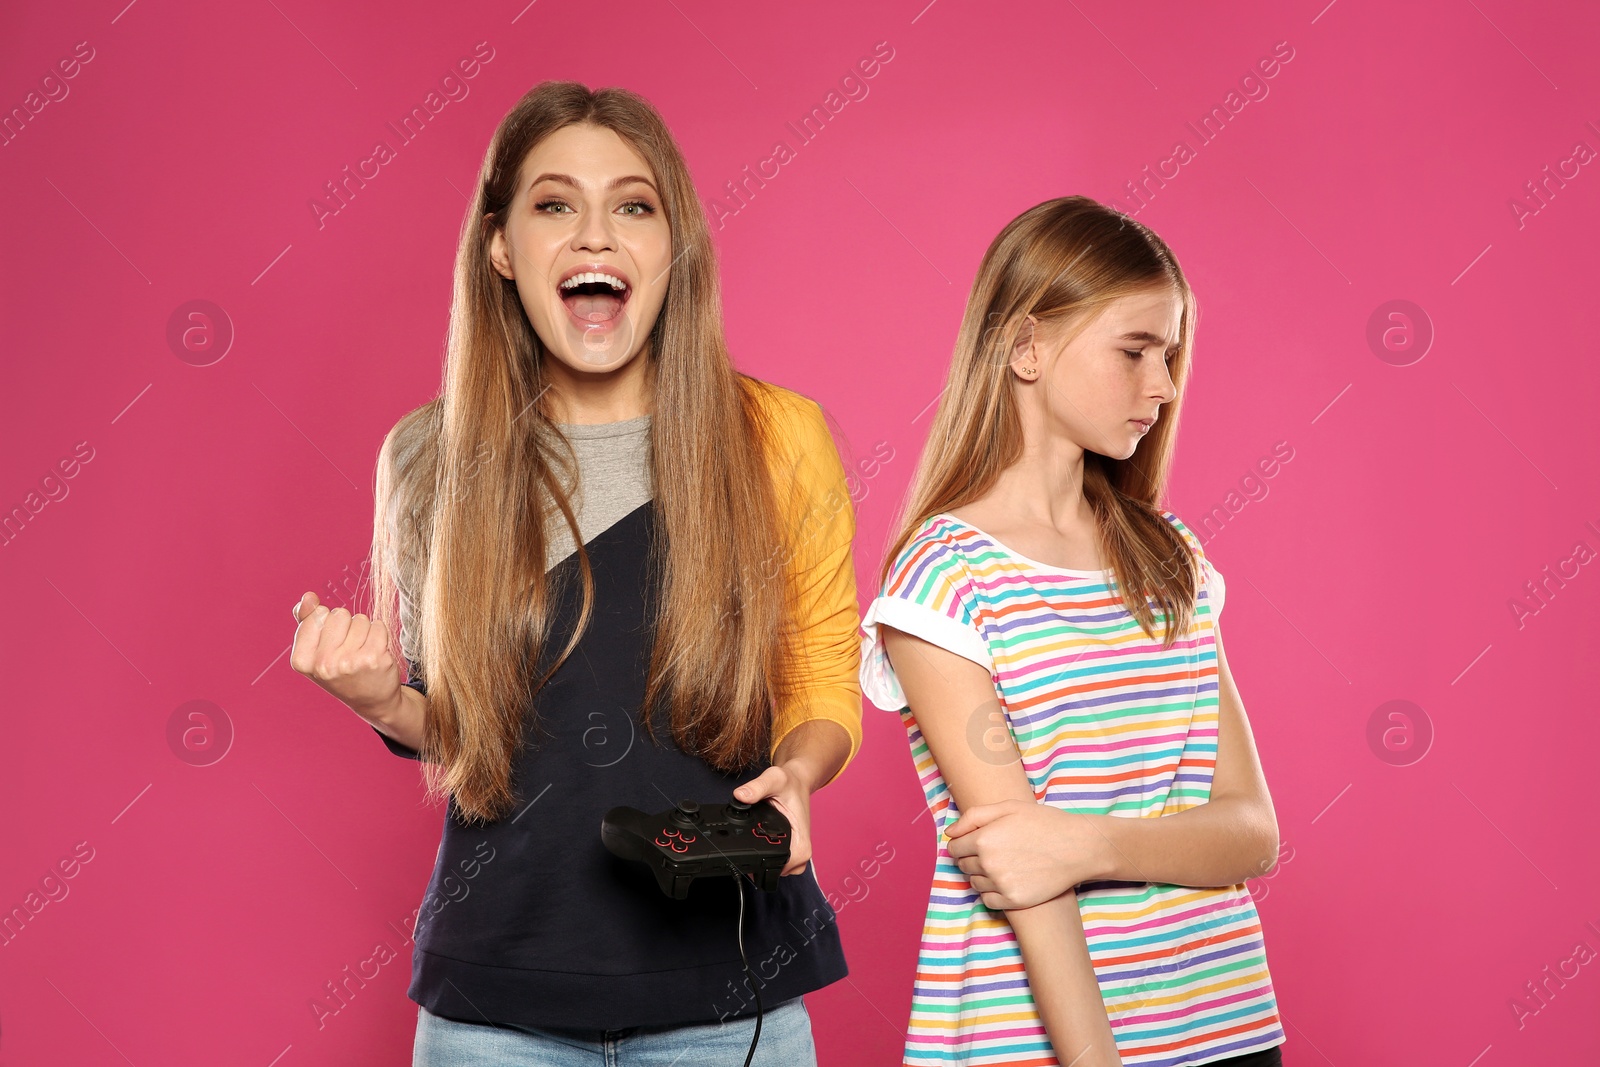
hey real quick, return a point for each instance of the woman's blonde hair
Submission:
(466, 485)
(1062, 261)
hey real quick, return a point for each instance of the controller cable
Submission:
(739, 877)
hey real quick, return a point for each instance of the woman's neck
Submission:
(578, 399)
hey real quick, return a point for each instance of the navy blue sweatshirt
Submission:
(531, 922)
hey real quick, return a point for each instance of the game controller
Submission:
(696, 840)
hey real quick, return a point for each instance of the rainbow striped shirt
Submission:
(1107, 722)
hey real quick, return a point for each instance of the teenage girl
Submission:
(1048, 634)
(619, 573)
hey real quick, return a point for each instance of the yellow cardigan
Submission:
(812, 489)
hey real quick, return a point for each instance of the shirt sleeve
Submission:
(401, 449)
(927, 594)
(1214, 590)
(821, 568)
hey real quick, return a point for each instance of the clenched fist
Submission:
(348, 656)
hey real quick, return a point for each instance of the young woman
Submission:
(621, 574)
(1049, 636)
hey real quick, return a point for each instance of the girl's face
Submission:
(587, 242)
(1095, 389)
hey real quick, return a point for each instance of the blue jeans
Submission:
(785, 1042)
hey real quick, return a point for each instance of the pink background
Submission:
(1417, 899)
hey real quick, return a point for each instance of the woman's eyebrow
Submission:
(615, 183)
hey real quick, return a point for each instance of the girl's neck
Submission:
(1043, 488)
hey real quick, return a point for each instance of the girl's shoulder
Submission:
(1211, 579)
(935, 547)
(1190, 538)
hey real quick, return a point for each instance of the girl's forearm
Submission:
(1221, 842)
(1061, 975)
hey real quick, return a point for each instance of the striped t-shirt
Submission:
(1108, 723)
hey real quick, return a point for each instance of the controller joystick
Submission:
(687, 813)
(702, 841)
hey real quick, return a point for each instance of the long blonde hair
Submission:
(466, 483)
(1062, 261)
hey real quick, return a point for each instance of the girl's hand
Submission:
(790, 793)
(346, 655)
(1019, 854)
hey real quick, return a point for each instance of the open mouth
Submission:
(595, 299)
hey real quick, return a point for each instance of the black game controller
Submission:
(702, 840)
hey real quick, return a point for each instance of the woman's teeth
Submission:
(592, 278)
(594, 298)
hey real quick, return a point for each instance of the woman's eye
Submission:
(543, 204)
(645, 208)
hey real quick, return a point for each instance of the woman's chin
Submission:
(593, 361)
(590, 347)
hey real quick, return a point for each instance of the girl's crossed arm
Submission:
(1231, 837)
(951, 698)
(1038, 851)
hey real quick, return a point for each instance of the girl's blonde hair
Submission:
(1062, 261)
(467, 483)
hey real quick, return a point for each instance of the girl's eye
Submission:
(644, 206)
(541, 205)
(1140, 352)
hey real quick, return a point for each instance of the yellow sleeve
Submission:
(811, 486)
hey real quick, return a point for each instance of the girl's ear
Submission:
(1023, 346)
(1022, 350)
